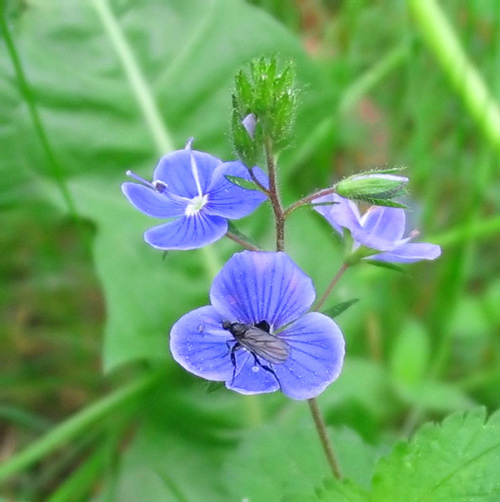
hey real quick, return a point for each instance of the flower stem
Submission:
(325, 440)
(135, 76)
(274, 196)
(336, 278)
(307, 200)
(279, 215)
(242, 242)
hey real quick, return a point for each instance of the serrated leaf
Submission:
(332, 491)
(336, 310)
(241, 182)
(344, 490)
(458, 459)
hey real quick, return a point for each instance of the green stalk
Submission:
(464, 77)
(144, 96)
(29, 98)
(78, 424)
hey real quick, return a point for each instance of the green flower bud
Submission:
(376, 188)
(264, 104)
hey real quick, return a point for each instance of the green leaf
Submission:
(379, 202)
(235, 230)
(345, 490)
(241, 182)
(456, 460)
(297, 463)
(180, 448)
(386, 265)
(336, 310)
(410, 355)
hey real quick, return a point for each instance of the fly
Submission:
(257, 340)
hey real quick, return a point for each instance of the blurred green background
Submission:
(91, 89)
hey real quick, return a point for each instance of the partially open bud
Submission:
(264, 106)
(377, 188)
(249, 123)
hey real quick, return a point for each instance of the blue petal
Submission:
(342, 213)
(152, 203)
(410, 253)
(251, 378)
(257, 286)
(188, 232)
(385, 223)
(229, 200)
(199, 344)
(176, 171)
(316, 358)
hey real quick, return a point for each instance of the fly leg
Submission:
(266, 368)
(232, 350)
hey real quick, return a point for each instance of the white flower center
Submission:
(196, 204)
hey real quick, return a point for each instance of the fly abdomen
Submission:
(258, 341)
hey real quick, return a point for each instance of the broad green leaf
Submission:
(179, 451)
(435, 396)
(458, 459)
(297, 462)
(283, 457)
(410, 355)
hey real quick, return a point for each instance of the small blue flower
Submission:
(293, 351)
(190, 188)
(380, 228)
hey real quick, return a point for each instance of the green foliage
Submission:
(270, 95)
(456, 460)
(336, 310)
(101, 87)
(242, 182)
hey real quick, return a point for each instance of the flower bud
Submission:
(377, 188)
(264, 106)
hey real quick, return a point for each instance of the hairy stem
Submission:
(242, 242)
(333, 282)
(325, 440)
(274, 197)
(307, 200)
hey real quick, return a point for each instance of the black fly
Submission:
(259, 342)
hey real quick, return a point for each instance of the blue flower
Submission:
(256, 336)
(380, 228)
(190, 188)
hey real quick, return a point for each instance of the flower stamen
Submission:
(196, 204)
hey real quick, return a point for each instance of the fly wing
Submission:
(270, 347)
